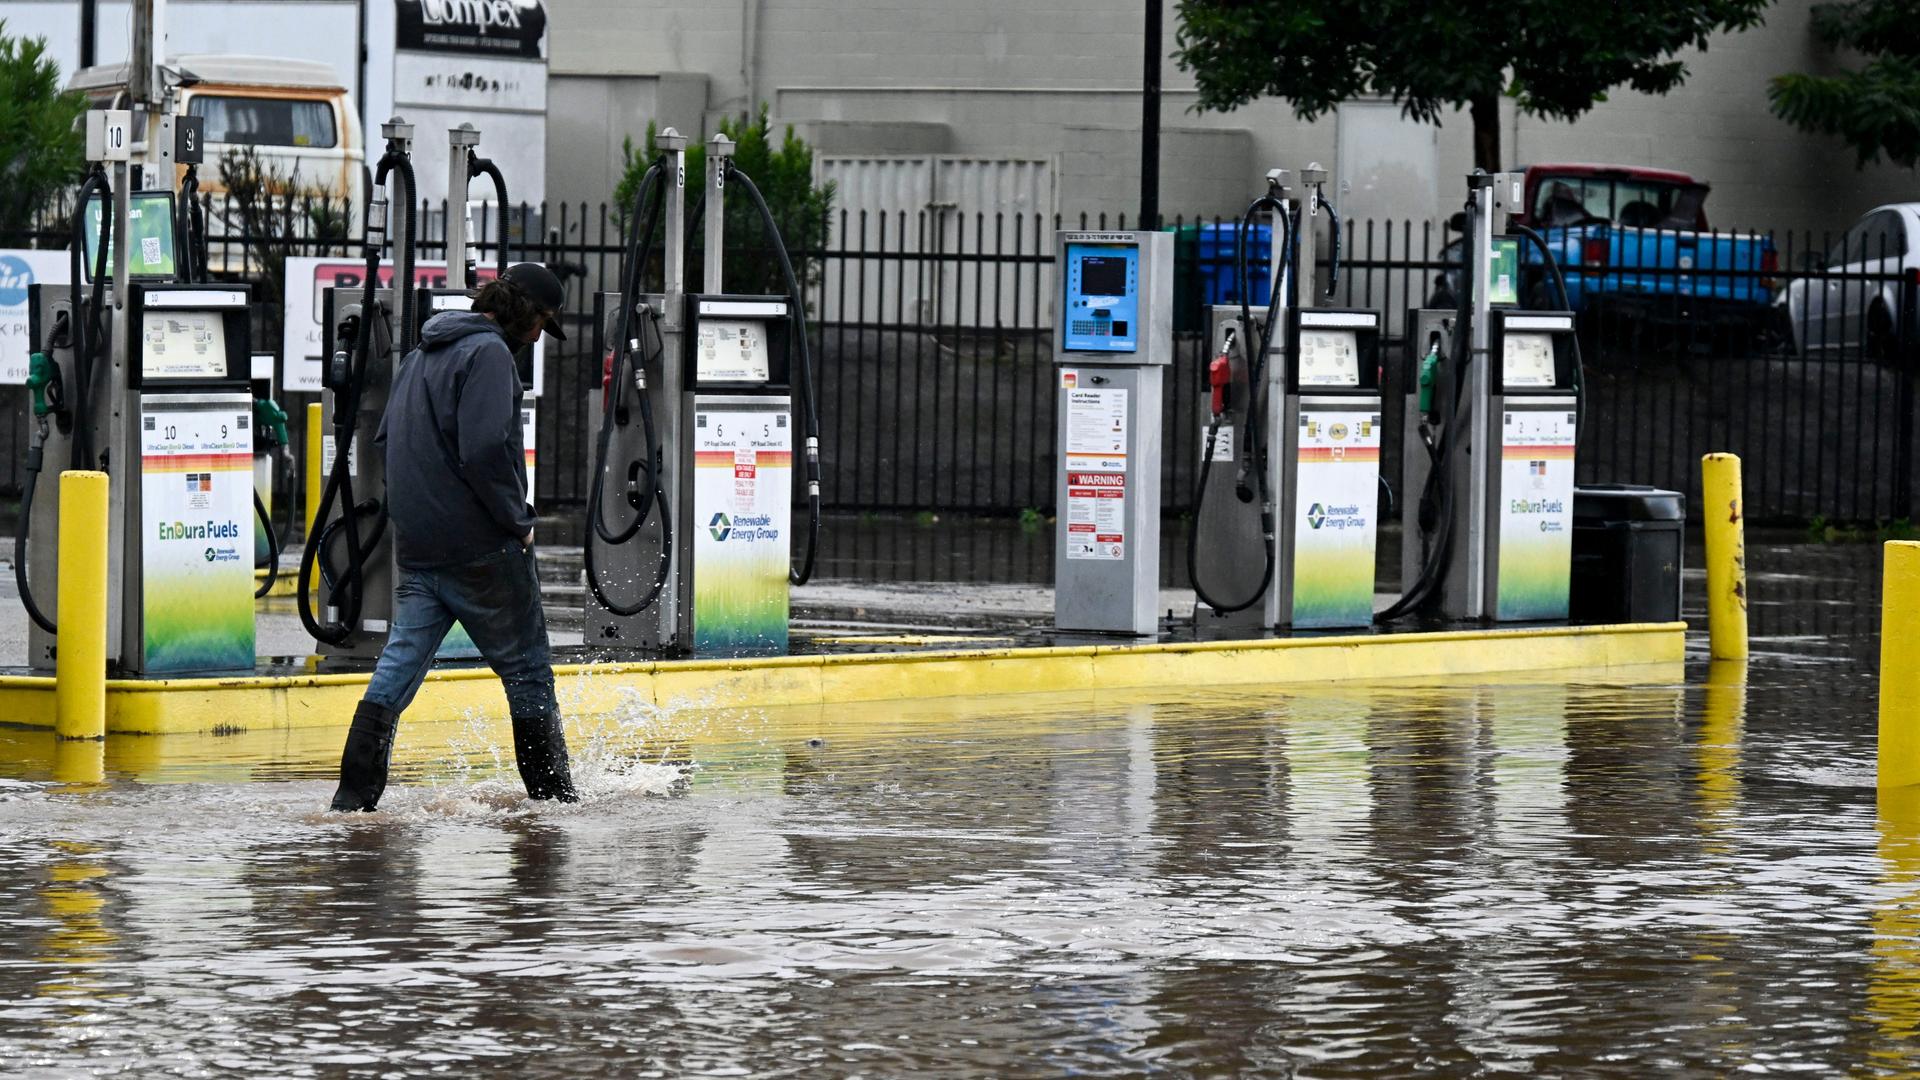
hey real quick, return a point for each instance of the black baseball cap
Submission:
(543, 288)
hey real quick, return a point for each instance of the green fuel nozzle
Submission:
(270, 420)
(1429, 376)
(40, 372)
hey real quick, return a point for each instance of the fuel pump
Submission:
(1307, 438)
(70, 377)
(463, 165)
(146, 376)
(1113, 342)
(1490, 436)
(349, 550)
(695, 435)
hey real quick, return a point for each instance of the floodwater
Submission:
(1658, 872)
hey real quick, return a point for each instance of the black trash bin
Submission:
(1628, 541)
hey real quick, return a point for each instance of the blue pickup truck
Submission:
(1634, 245)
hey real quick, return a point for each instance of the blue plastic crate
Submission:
(1219, 282)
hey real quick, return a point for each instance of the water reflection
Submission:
(1631, 874)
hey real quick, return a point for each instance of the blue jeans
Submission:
(497, 598)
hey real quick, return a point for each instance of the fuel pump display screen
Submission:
(1329, 358)
(1503, 273)
(183, 345)
(1101, 300)
(150, 217)
(1527, 360)
(731, 351)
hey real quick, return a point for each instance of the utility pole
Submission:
(1150, 122)
(89, 19)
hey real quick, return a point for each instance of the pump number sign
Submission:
(196, 540)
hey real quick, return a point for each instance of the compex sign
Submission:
(505, 28)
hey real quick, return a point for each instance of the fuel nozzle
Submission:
(1429, 378)
(1220, 374)
(40, 376)
(269, 423)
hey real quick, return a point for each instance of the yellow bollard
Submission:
(80, 762)
(316, 461)
(1899, 675)
(1724, 515)
(80, 611)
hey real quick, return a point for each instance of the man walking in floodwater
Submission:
(463, 533)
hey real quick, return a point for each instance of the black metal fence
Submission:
(932, 342)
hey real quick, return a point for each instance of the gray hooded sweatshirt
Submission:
(456, 462)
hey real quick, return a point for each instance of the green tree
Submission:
(276, 214)
(1875, 107)
(783, 171)
(1555, 59)
(41, 145)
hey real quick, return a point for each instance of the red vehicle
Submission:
(1578, 194)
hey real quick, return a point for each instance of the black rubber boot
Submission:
(540, 749)
(363, 764)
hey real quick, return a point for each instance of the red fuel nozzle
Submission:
(606, 372)
(1220, 378)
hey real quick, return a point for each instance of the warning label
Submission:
(1096, 449)
(1096, 515)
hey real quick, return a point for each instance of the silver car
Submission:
(1848, 298)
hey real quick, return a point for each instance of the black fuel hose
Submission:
(656, 497)
(1436, 497)
(191, 227)
(344, 595)
(332, 534)
(82, 448)
(1255, 453)
(1333, 219)
(86, 327)
(273, 546)
(347, 595)
(797, 311)
(402, 165)
(485, 166)
(35, 455)
(638, 245)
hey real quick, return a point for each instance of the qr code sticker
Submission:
(150, 249)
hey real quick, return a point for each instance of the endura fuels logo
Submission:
(720, 526)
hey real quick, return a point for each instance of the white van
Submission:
(298, 116)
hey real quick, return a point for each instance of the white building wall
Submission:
(1038, 77)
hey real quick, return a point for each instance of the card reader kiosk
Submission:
(1113, 342)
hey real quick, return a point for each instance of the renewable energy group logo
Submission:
(1334, 517)
(720, 526)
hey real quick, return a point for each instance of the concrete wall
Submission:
(1040, 78)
